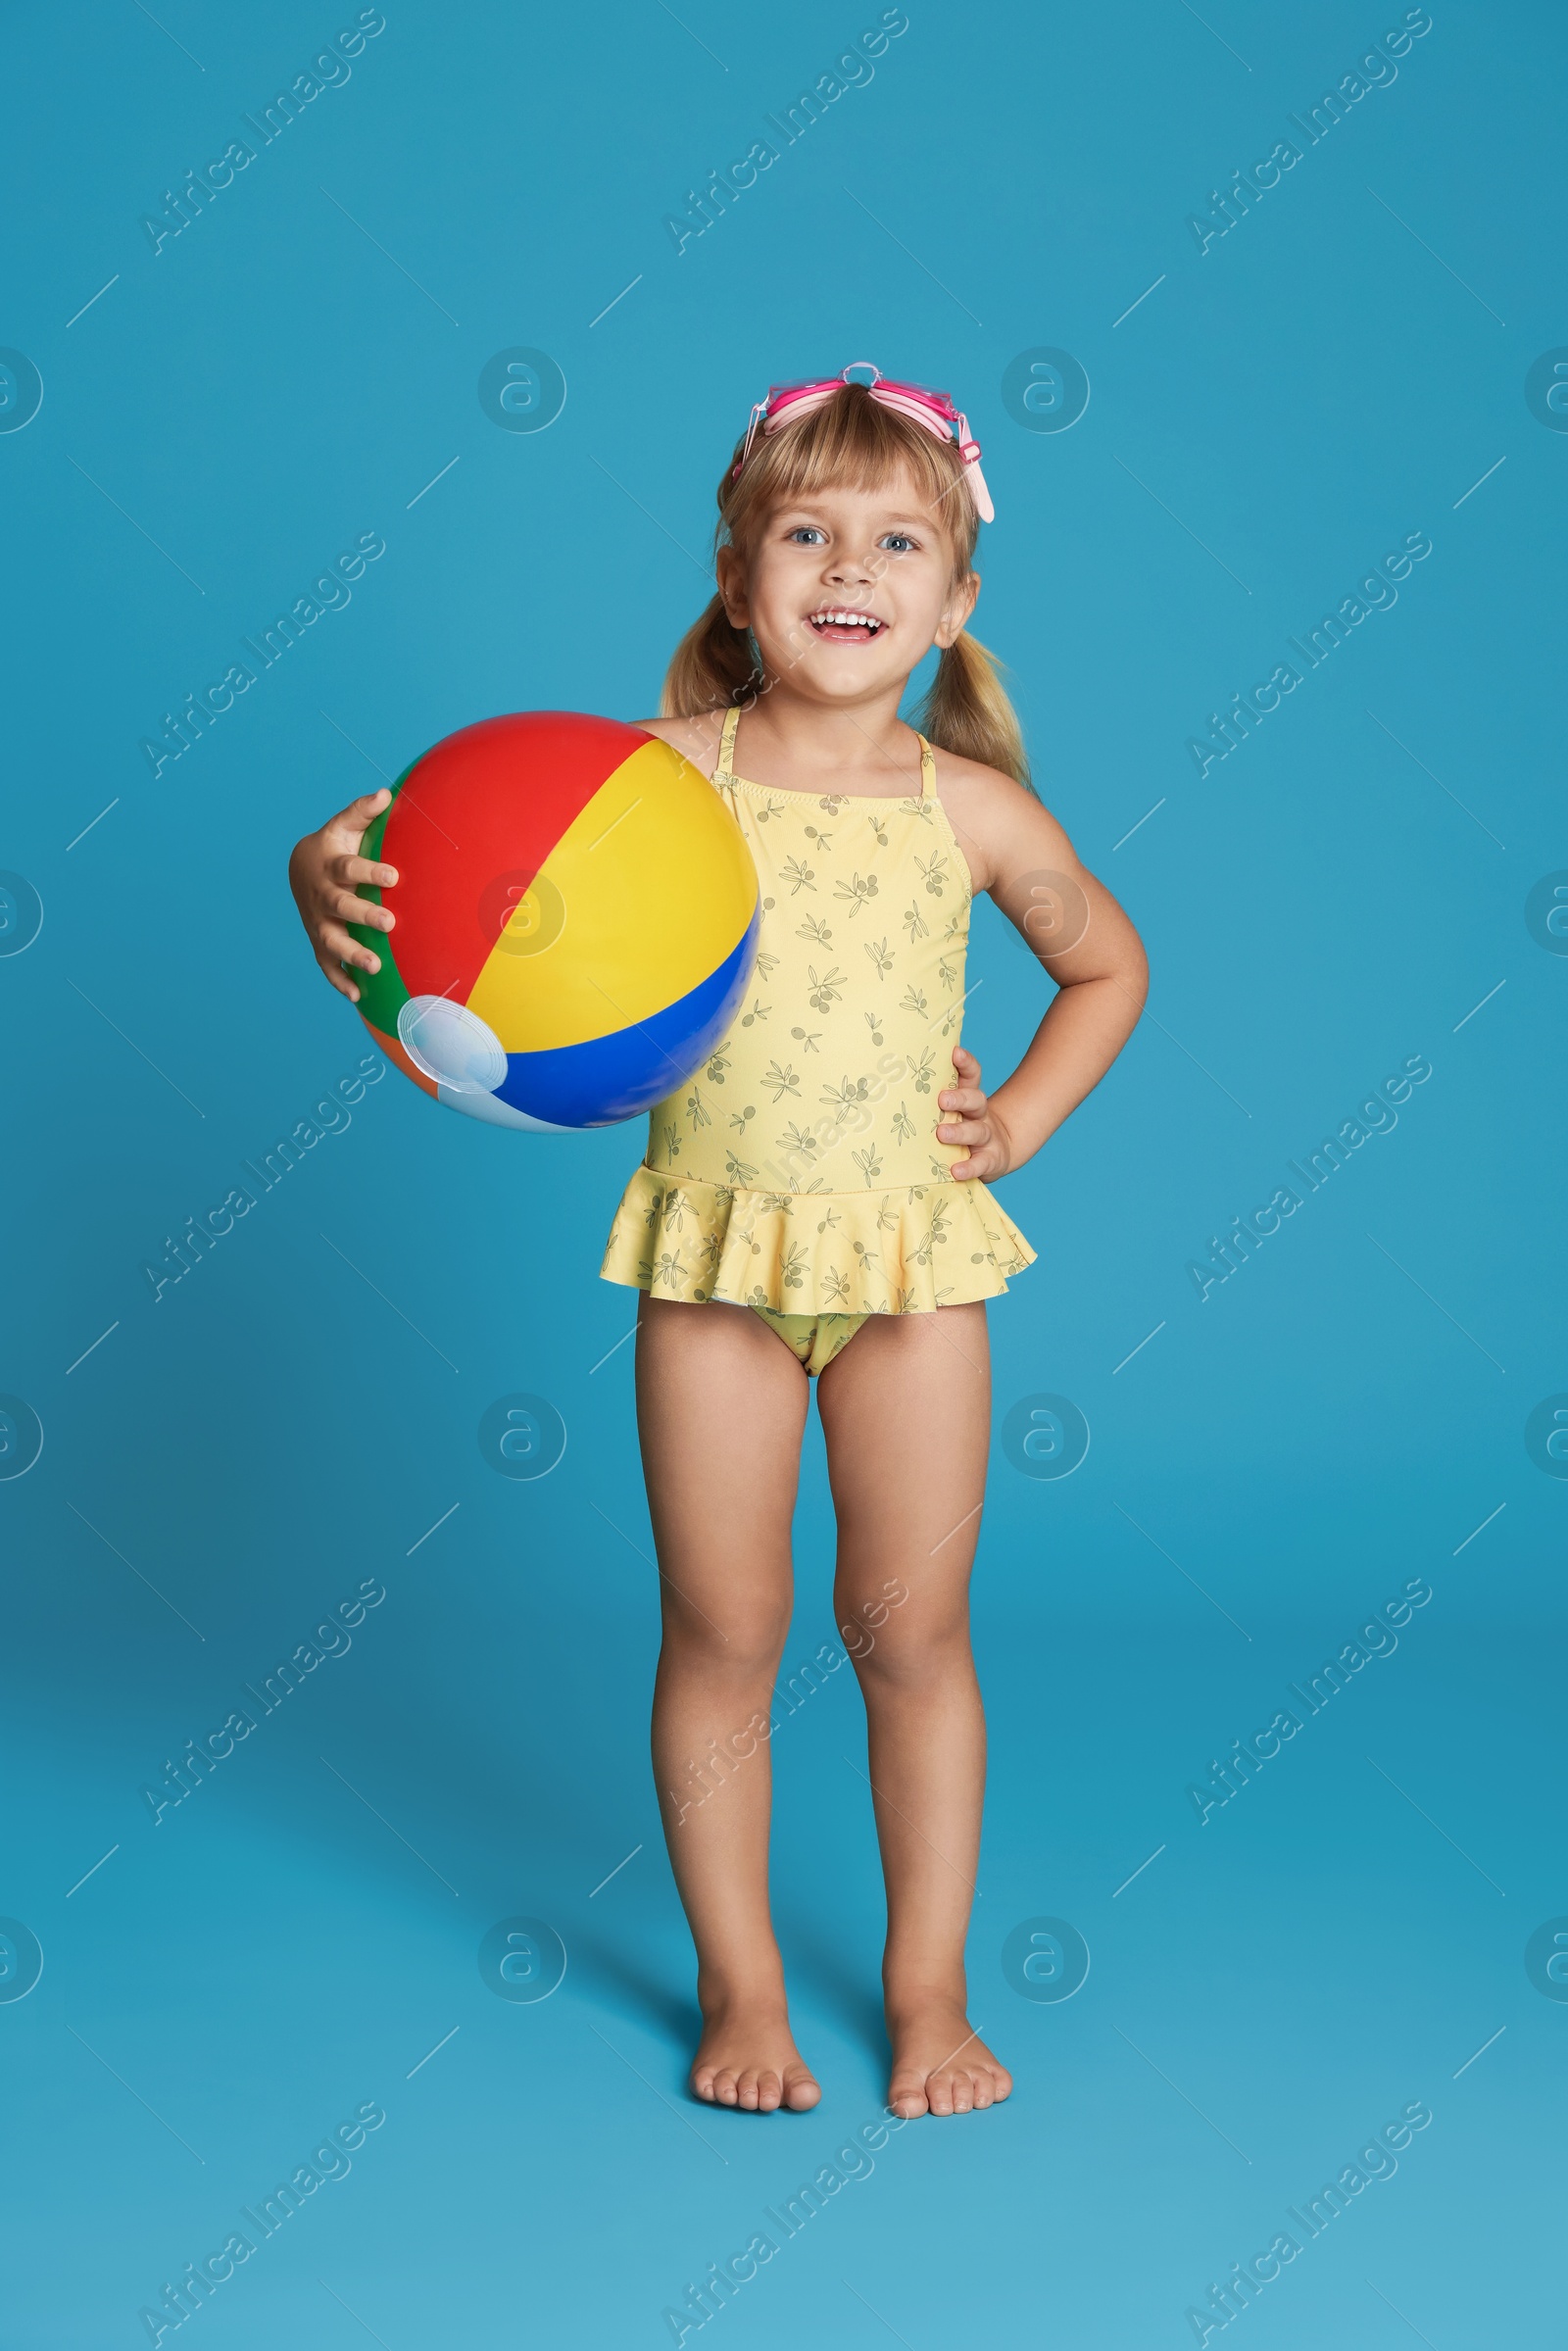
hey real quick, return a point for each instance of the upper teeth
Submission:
(849, 620)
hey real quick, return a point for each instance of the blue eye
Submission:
(899, 540)
(805, 532)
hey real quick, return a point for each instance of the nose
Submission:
(851, 572)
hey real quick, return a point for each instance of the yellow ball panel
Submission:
(640, 900)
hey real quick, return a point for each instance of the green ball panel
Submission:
(382, 994)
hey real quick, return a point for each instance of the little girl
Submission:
(821, 1182)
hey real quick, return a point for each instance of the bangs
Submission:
(851, 442)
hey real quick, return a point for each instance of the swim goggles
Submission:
(932, 411)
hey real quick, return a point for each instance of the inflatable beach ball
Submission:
(576, 922)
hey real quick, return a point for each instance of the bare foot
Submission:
(939, 2064)
(747, 2057)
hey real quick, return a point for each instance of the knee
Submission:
(915, 1646)
(741, 1641)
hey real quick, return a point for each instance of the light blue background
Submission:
(1338, 1417)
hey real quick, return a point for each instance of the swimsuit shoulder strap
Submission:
(928, 771)
(726, 744)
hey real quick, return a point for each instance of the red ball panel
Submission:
(491, 800)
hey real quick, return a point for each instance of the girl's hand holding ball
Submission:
(323, 872)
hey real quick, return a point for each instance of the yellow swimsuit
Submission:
(799, 1172)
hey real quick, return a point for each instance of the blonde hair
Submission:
(850, 440)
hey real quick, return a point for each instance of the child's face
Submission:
(877, 554)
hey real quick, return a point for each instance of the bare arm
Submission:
(1018, 853)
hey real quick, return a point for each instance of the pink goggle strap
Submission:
(934, 412)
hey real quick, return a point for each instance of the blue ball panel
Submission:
(606, 1079)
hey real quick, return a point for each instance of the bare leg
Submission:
(907, 1409)
(720, 1409)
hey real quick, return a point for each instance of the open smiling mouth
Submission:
(842, 626)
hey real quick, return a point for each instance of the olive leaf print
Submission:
(674, 1210)
(877, 950)
(796, 1141)
(860, 890)
(783, 1080)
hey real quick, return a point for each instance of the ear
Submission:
(956, 610)
(731, 580)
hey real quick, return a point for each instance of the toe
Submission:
(745, 2088)
(962, 2093)
(703, 2085)
(983, 2093)
(724, 2088)
(939, 2093)
(770, 2091)
(803, 2091)
(909, 2098)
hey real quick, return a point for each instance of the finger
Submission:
(363, 870)
(339, 979)
(960, 1054)
(360, 813)
(333, 939)
(982, 1163)
(973, 1131)
(968, 1098)
(348, 908)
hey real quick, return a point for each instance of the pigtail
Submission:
(712, 668)
(967, 711)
